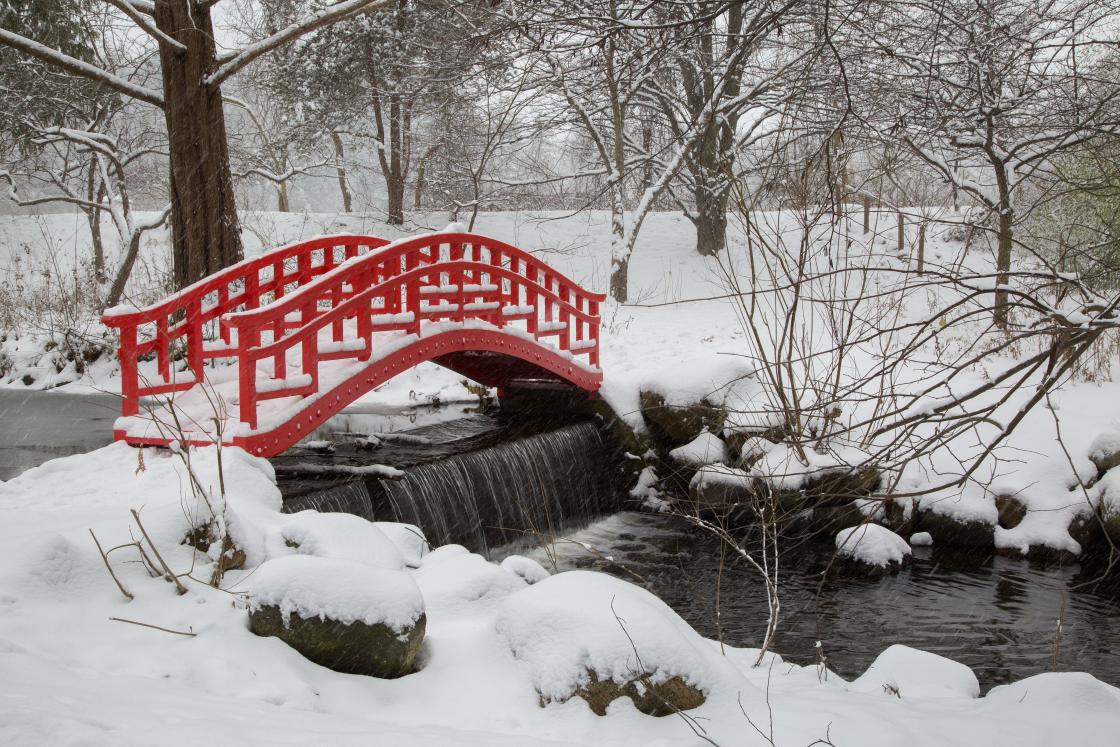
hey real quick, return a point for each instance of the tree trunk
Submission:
(129, 259)
(282, 203)
(1005, 238)
(340, 169)
(418, 192)
(395, 185)
(205, 232)
(95, 193)
(619, 278)
(711, 221)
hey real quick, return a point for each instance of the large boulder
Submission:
(676, 425)
(592, 636)
(951, 530)
(343, 615)
(908, 673)
(871, 549)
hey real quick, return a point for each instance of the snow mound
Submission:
(579, 622)
(341, 536)
(755, 447)
(408, 538)
(714, 475)
(1104, 446)
(910, 673)
(451, 581)
(921, 539)
(527, 568)
(703, 450)
(871, 544)
(723, 380)
(340, 590)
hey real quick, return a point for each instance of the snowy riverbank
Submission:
(495, 645)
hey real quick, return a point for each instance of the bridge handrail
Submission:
(311, 329)
(187, 304)
(333, 280)
(352, 288)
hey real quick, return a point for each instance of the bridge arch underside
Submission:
(490, 357)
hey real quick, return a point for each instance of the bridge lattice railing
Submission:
(191, 323)
(445, 277)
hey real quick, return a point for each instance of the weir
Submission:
(480, 482)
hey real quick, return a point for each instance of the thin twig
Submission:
(105, 559)
(154, 627)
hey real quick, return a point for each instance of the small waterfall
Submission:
(351, 498)
(538, 484)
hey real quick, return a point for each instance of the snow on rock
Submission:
(910, 673)
(340, 590)
(343, 537)
(526, 568)
(754, 448)
(577, 624)
(872, 544)
(453, 579)
(921, 539)
(1104, 451)
(723, 380)
(408, 538)
(703, 450)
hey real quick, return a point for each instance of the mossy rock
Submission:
(829, 520)
(676, 426)
(842, 487)
(355, 648)
(949, 531)
(664, 698)
(1011, 511)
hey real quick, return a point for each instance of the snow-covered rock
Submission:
(340, 590)
(1104, 451)
(453, 580)
(347, 616)
(909, 673)
(705, 449)
(342, 537)
(577, 629)
(408, 538)
(872, 545)
(921, 539)
(527, 568)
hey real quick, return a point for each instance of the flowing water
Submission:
(478, 482)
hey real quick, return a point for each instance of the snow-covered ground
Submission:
(496, 646)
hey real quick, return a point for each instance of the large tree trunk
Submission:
(205, 233)
(711, 220)
(395, 185)
(1005, 241)
(340, 169)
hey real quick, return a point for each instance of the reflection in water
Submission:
(997, 615)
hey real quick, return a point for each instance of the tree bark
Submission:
(340, 169)
(1003, 266)
(711, 220)
(282, 203)
(205, 232)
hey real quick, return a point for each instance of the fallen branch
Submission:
(166, 570)
(154, 627)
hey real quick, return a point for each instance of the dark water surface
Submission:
(997, 615)
(36, 426)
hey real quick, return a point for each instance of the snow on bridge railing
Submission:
(187, 315)
(442, 277)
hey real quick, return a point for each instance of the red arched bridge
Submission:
(313, 326)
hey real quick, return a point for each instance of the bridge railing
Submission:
(448, 277)
(182, 323)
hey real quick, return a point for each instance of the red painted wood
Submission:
(455, 278)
